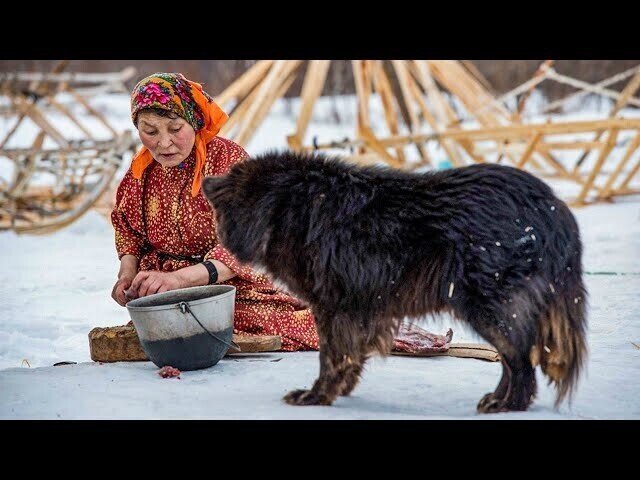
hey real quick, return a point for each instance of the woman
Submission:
(164, 228)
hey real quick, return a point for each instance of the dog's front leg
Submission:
(328, 385)
(339, 355)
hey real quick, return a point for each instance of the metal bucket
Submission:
(189, 329)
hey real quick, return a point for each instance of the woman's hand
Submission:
(128, 271)
(149, 282)
(118, 293)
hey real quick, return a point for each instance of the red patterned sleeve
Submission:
(128, 240)
(222, 155)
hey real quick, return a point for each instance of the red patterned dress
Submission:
(158, 220)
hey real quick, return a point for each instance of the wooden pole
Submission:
(629, 90)
(362, 79)
(279, 93)
(538, 73)
(517, 132)
(36, 85)
(588, 87)
(469, 65)
(363, 91)
(238, 113)
(442, 117)
(314, 81)
(383, 87)
(607, 189)
(34, 114)
(67, 112)
(581, 93)
(80, 99)
(529, 149)
(374, 144)
(426, 114)
(623, 186)
(611, 142)
(265, 97)
(245, 83)
(24, 172)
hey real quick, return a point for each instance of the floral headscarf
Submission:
(187, 99)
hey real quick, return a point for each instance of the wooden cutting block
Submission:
(121, 344)
(116, 344)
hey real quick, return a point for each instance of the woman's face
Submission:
(170, 140)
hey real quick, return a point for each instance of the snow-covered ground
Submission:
(56, 288)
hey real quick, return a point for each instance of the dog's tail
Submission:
(560, 347)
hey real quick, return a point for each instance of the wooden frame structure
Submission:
(421, 101)
(51, 187)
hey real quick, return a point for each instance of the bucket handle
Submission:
(184, 308)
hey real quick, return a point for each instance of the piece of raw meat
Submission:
(413, 339)
(168, 372)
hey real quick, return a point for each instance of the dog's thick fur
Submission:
(365, 247)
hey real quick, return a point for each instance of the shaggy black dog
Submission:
(365, 247)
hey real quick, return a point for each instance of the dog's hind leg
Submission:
(520, 389)
(341, 362)
(517, 387)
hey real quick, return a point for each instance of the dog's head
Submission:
(242, 209)
(248, 200)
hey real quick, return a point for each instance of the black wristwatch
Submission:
(213, 271)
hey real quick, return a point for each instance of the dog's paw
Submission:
(491, 404)
(305, 397)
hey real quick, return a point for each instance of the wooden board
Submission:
(121, 344)
(257, 343)
(481, 351)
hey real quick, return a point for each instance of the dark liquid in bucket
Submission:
(191, 353)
